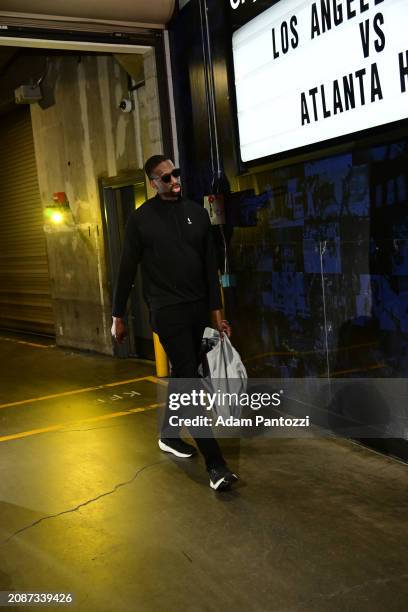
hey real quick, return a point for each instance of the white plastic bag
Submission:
(223, 375)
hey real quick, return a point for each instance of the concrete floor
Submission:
(89, 505)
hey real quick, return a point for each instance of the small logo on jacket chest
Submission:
(189, 221)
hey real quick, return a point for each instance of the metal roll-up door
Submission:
(25, 300)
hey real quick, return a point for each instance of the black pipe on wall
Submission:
(193, 113)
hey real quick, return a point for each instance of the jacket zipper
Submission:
(177, 220)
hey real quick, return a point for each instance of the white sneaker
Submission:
(177, 447)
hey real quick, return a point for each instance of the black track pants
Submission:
(180, 328)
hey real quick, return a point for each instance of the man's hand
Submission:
(118, 330)
(219, 323)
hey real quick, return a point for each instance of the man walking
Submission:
(170, 237)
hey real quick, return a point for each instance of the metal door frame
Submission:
(113, 227)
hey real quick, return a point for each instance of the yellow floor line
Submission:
(35, 344)
(43, 346)
(158, 381)
(84, 390)
(105, 417)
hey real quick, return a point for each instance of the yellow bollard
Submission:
(162, 364)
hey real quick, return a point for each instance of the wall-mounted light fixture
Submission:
(59, 211)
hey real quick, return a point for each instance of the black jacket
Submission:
(173, 243)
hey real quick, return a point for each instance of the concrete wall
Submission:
(80, 138)
(147, 103)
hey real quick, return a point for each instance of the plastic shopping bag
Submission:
(223, 374)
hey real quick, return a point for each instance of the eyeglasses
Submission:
(166, 178)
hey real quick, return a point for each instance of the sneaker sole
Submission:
(223, 484)
(169, 449)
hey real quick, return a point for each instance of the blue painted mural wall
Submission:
(322, 264)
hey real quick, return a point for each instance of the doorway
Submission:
(120, 196)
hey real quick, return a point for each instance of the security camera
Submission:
(27, 94)
(126, 105)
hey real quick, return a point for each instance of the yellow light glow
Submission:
(56, 217)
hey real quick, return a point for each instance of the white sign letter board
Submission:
(306, 72)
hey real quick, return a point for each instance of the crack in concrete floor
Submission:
(344, 591)
(83, 504)
(362, 585)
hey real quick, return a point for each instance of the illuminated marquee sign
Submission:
(307, 72)
(243, 11)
